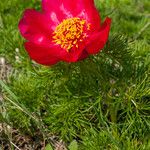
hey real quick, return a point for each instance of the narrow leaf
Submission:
(48, 147)
(73, 145)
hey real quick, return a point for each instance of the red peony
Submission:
(65, 30)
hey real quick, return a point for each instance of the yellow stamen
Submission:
(70, 32)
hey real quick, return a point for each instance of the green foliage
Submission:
(48, 147)
(73, 145)
(95, 140)
(101, 102)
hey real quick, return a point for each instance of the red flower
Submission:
(65, 30)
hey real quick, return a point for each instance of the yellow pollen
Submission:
(70, 33)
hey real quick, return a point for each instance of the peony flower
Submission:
(65, 30)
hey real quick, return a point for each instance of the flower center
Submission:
(70, 33)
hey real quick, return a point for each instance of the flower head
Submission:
(64, 31)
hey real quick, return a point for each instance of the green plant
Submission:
(99, 103)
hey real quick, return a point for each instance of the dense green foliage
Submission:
(102, 102)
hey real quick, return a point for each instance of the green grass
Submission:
(102, 102)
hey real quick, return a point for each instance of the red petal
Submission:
(98, 40)
(73, 8)
(36, 27)
(89, 12)
(43, 55)
(84, 9)
(54, 9)
(74, 55)
(84, 55)
(51, 55)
